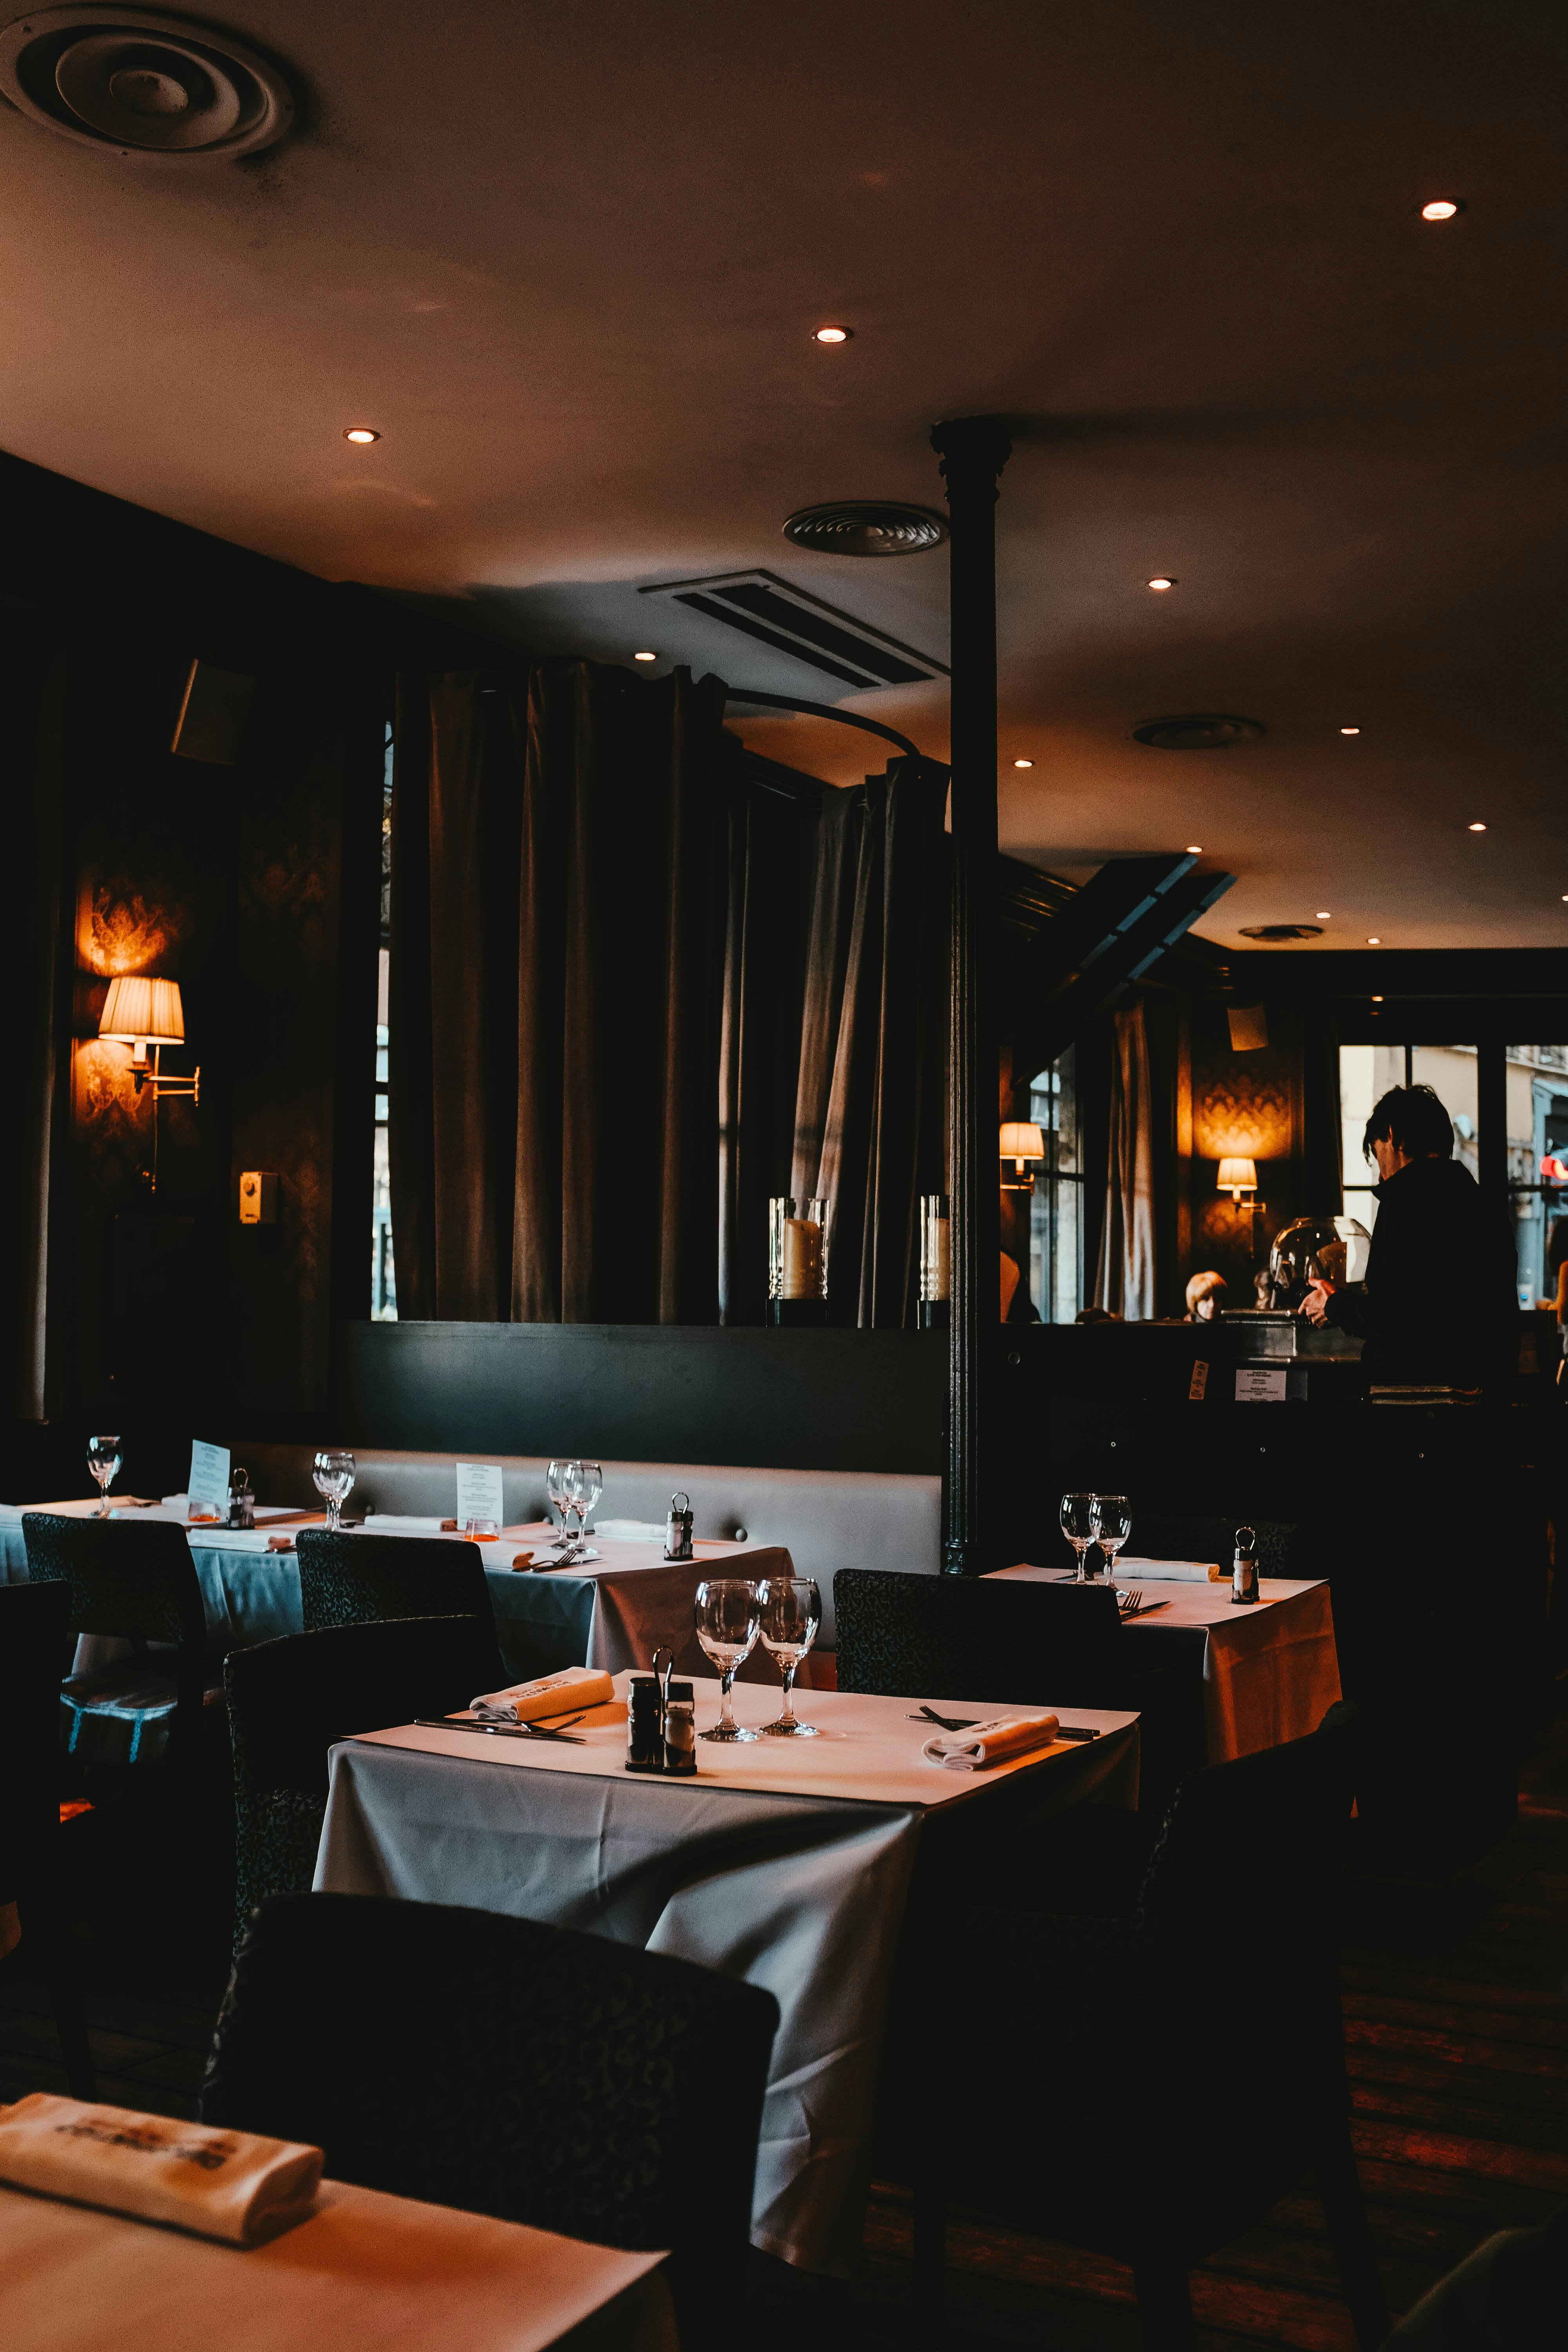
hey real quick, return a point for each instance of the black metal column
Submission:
(974, 450)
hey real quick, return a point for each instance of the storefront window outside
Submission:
(1055, 1208)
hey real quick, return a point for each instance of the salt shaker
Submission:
(679, 1728)
(678, 1528)
(1244, 1575)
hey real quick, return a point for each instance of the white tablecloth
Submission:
(1270, 1672)
(365, 2270)
(786, 1864)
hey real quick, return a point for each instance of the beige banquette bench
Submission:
(829, 1518)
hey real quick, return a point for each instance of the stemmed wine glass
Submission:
(103, 1461)
(1076, 1516)
(332, 1475)
(555, 1488)
(589, 1486)
(1112, 1526)
(727, 1615)
(790, 1610)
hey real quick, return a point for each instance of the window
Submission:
(1537, 1144)
(383, 1275)
(1366, 1074)
(1055, 1208)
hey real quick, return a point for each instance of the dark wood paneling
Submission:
(646, 1392)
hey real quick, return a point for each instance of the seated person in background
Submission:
(1437, 1307)
(1206, 1296)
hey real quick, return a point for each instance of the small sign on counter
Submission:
(479, 1492)
(1262, 1385)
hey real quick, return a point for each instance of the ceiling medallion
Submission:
(1200, 731)
(143, 85)
(865, 526)
(1282, 931)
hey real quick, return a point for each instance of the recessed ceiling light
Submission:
(1324, 916)
(1161, 585)
(1440, 209)
(1023, 763)
(1195, 849)
(1477, 828)
(1349, 731)
(644, 657)
(1375, 943)
(833, 334)
(361, 434)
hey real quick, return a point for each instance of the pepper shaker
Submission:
(678, 1527)
(644, 1737)
(1244, 1574)
(241, 1500)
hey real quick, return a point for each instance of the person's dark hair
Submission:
(1414, 1120)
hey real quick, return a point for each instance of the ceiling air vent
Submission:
(762, 607)
(865, 526)
(143, 85)
(1199, 730)
(1276, 931)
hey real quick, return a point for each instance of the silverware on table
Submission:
(500, 1730)
(950, 1722)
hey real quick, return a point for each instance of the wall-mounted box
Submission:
(259, 1197)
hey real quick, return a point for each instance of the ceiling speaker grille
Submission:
(143, 85)
(826, 639)
(865, 526)
(1197, 731)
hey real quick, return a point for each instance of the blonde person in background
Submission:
(1205, 1298)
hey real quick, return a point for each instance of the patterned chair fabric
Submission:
(34, 1641)
(505, 2067)
(358, 1580)
(289, 1700)
(133, 1581)
(963, 1637)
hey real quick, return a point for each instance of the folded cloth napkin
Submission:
(1171, 1571)
(221, 2184)
(629, 1530)
(403, 1523)
(991, 1742)
(573, 1686)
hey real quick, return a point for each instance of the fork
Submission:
(1130, 1600)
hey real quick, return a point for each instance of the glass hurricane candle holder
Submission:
(797, 1261)
(936, 1262)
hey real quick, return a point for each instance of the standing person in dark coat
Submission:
(1438, 1307)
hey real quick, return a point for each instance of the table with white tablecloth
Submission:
(786, 1864)
(366, 2269)
(1270, 1670)
(612, 1612)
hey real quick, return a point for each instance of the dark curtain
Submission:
(865, 878)
(556, 970)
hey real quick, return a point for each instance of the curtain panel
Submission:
(1124, 1281)
(557, 925)
(833, 1078)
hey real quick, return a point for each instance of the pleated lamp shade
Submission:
(1021, 1141)
(1236, 1176)
(141, 1011)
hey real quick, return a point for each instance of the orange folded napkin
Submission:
(220, 2184)
(572, 1687)
(992, 1742)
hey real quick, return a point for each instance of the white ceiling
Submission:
(569, 262)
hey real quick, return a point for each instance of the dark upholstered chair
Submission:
(1150, 2091)
(133, 1579)
(357, 1580)
(34, 1645)
(507, 2067)
(290, 1699)
(1003, 1639)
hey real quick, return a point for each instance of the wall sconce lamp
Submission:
(1020, 1142)
(140, 1012)
(1236, 1177)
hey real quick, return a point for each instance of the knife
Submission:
(496, 1730)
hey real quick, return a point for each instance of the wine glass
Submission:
(589, 1486)
(1076, 1516)
(555, 1488)
(103, 1461)
(332, 1475)
(789, 1612)
(1112, 1526)
(726, 1614)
